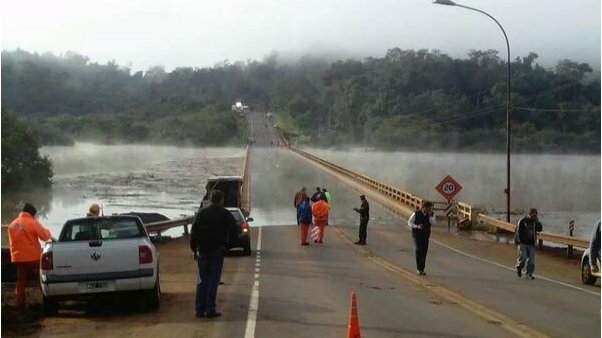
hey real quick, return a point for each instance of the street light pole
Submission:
(508, 112)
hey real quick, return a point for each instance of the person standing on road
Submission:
(304, 219)
(320, 211)
(24, 234)
(525, 236)
(300, 197)
(212, 228)
(420, 222)
(364, 211)
(317, 195)
(326, 196)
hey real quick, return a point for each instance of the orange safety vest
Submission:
(320, 211)
(24, 234)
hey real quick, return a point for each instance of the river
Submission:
(561, 187)
(123, 178)
(171, 180)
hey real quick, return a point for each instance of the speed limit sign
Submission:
(448, 187)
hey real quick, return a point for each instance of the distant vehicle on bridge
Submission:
(100, 255)
(239, 107)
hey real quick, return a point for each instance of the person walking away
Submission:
(300, 197)
(594, 249)
(317, 195)
(304, 217)
(24, 234)
(525, 236)
(364, 211)
(326, 196)
(420, 222)
(211, 230)
(93, 211)
(320, 211)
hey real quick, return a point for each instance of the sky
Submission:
(201, 33)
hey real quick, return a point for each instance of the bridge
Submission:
(287, 290)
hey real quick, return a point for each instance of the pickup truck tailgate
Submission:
(96, 259)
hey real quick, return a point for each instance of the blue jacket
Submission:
(304, 213)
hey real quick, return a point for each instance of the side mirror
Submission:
(249, 219)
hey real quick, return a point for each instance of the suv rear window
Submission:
(87, 229)
(237, 216)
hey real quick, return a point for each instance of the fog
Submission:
(202, 33)
(123, 178)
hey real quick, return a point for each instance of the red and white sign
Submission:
(448, 188)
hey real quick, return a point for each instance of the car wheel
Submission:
(50, 306)
(586, 274)
(247, 248)
(153, 296)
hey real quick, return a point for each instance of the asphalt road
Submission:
(542, 306)
(287, 290)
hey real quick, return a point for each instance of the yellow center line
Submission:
(491, 316)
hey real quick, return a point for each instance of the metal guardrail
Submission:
(159, 227)
(542, 236)
(412, 201)
(245, 191)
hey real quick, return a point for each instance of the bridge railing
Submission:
(161, 226)
(245, 191)
(413, 202)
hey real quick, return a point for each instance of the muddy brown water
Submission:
(123, 178)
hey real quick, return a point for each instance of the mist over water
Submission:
(562, 187)
(123, 178)
(171, 181)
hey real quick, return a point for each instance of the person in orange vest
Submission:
(24, 234)
(320, 211)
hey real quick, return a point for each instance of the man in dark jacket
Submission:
(525, 236)
(364, 212)
(420, 222)
(317, 195)
(211, 230)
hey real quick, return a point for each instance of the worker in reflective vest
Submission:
(320, 211)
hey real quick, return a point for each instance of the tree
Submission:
(22, 166)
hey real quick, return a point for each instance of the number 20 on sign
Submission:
(448, 187)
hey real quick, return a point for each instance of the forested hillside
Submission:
(407, 99)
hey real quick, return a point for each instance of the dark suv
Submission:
(244, 237)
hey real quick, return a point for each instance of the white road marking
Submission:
(504, 266)
(254, 300)
(514, 269)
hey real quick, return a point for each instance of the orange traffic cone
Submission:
(353, 328)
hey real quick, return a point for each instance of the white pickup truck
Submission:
(98, 255)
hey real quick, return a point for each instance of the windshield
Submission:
(101, 229)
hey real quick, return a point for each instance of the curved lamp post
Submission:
(508, 115)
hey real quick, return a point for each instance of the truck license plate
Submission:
(97, 285)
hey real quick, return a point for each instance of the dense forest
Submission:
(407, 99)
